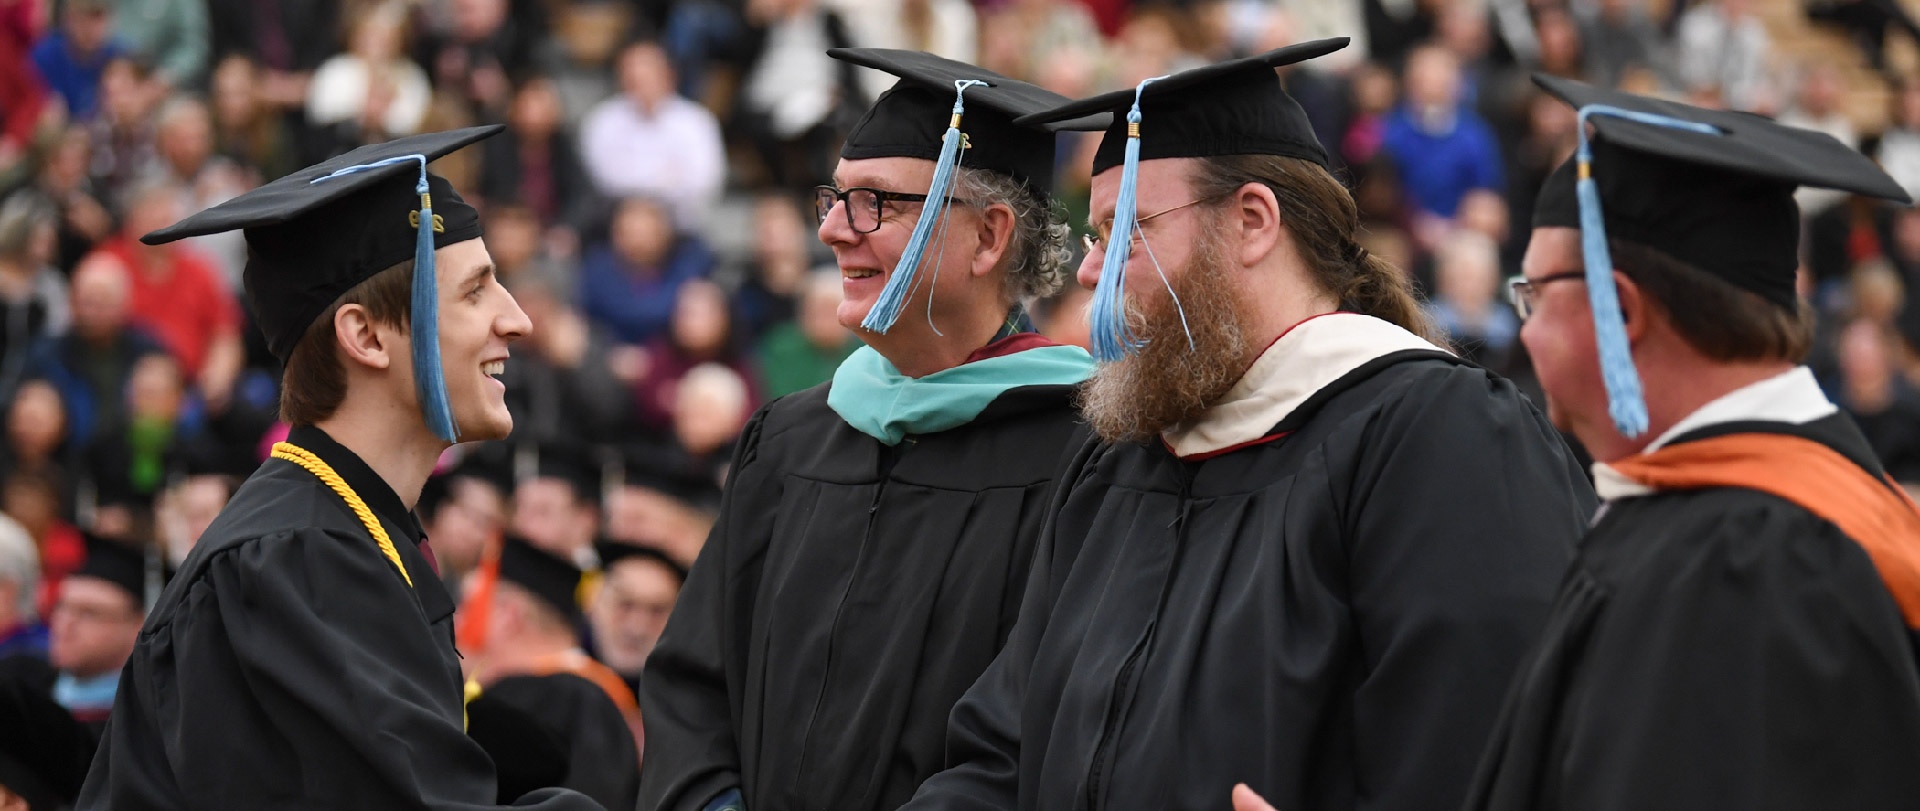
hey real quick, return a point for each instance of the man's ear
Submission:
(1635, 307)
(996, 235)
(1256, 215)
(359, 337)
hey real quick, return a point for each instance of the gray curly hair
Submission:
(1038, 258)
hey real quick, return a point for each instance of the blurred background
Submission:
(646, 206)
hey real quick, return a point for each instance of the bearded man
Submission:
(1313, 544)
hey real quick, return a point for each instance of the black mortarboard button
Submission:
(612, 552)
(1235, 107)
(911, 119)
(1710, 188)
(316, 233)
(547, 577)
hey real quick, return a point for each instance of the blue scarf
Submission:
(77, 694)
(879, 401)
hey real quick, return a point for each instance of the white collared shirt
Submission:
(1792, 397)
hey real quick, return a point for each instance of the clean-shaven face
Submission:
(1559, 336)
(868, 260)
(478, 319)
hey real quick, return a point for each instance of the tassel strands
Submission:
(1626, 401)
(1112, 338)
(893, 298)
(429, 379)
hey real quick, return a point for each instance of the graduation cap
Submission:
(1710, 188)
(571, 465)
(954, 114)
(133, 569)
(612, 552)
(1236, 107)
(315, 234)
(527, 754)
(44, 752)
(544, 575)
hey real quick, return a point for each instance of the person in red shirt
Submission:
(178, 295)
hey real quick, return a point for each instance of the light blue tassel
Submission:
(1626, 403)
(429, 380)
(886, 309)
(1109, 333)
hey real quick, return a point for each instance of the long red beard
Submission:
(1169, 380)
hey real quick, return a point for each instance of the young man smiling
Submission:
(874, 539)
(1313, 544)
(304, 654)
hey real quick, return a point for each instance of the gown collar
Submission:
(1308, 357)
(372, 489)
(1793, 397)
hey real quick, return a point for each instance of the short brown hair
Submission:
(1717, 319)
(1322, 218)
(315, 381)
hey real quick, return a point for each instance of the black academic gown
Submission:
(848, 595)
(603, 761)
(1716, 649)
(1330, 615)
(288, 665)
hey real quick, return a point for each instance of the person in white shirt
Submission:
(648, 141)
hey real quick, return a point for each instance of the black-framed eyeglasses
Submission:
(863, 204)
(1522, 291)
(1096, 243)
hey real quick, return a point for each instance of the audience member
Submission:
(1466, 302)
(1818, 107)
(638, 587)
(33, 295)
(1723, 51)
(91, 364)
(72, 58)
(803, 352)
(372, 92)
(188, 162)
(91, 631)
(169, 35)
(558, 508)
(562, 386)
(651, 141)
(535, 166)
(1884, 403)
(464, 514)
(178, 296)
(1440, 148)
(247, 128)
(796, 101)
(21, 632)
(700, 332)
(630, 284)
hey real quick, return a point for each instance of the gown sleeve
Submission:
(688, 703)
(983, 733)
(1460, 520)
(293, 681)
(1766, 668)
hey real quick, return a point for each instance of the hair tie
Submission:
(1360, 254)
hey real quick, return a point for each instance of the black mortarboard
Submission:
(118, 563)
(572, 465)
(44, 752)
(527, 754)
(554, 581)
(1710, 188)
(1234, 107)
(956, 115)
(612, 552)
(1721, 201)
(911, 119)
(315, 234)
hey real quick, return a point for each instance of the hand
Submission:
(1244, 799)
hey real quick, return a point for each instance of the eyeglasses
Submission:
(1096, 243)
(863, 204)
(1522, 291)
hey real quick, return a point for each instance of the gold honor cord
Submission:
(325, 473)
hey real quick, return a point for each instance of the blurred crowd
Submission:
(648, 206)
